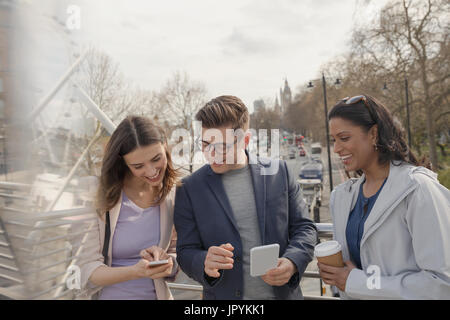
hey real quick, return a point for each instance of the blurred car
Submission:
(316, 148)
(312, 170)
(302, 152)
(292, 153)
(317, 160)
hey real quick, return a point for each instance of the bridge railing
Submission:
(37, 251)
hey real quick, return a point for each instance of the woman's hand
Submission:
(335, 276)
(154, 253)
(142, 269)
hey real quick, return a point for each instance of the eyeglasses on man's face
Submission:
(219, 147)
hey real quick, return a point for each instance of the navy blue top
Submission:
(355, 223)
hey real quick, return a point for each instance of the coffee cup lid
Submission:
(327, 248)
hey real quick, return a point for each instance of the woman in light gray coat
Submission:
(393, 223)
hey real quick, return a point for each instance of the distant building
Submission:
(285, 96)
(258, 105)
(277, 106)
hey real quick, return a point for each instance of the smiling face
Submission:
(353, 144)
(148, 164)
(233, 144)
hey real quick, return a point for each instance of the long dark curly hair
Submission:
(391, 144)
(131, 133)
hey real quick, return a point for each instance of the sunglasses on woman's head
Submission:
(357, 99)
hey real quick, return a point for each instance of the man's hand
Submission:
(219, 258)
(281, 274)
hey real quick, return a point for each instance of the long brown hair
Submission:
(133, 132)
(390, 143)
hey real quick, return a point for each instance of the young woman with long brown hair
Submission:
(135, 206)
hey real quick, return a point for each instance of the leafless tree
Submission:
(178, 102)
(101, 79)
(407, 40)
(180, 99)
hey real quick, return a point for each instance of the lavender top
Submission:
(136, 229)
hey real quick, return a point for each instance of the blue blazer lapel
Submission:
(215, 183)
(259, 187)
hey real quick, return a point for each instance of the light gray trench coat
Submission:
(405, 247)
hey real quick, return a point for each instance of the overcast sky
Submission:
(240, 47)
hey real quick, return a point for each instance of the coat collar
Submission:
(215, 183)
(259, 187)
(398, 185)
(347, 203)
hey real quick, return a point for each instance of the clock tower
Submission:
(285, 96)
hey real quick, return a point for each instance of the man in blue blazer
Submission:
(235, 203)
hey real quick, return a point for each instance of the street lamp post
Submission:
(330, 172)
(324, 87)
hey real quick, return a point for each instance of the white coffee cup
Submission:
(329, 253)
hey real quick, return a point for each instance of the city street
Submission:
(312, 286)
(338, 177)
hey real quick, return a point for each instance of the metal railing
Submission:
(40, 248)
(14, 186)
(199, 289)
